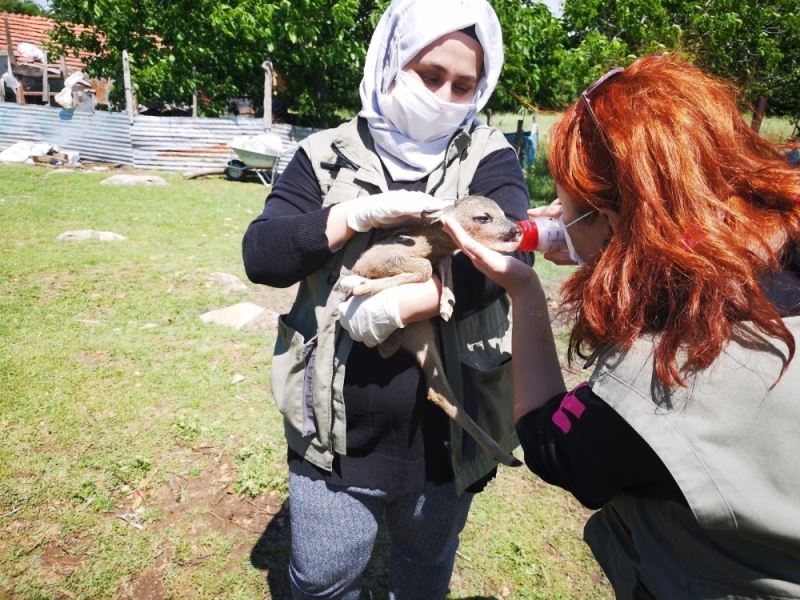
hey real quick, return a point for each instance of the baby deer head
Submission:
(485, 221)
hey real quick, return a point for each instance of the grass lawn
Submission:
(132, 462)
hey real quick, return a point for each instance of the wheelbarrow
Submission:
(258, 154)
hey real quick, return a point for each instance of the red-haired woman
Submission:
(687, 227)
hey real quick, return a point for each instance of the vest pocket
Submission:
(487, 399)
(291, 376)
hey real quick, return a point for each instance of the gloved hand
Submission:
(371, 319)
(389, 209)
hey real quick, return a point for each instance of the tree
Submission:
(533, 41)
(219, 46)
(754, 43)
(318, 46)
(21, 7)
(643, 26)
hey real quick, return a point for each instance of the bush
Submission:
(541, 187)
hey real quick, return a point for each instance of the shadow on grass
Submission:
(271, 554)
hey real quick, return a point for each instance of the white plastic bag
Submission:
(22, 151)
(9, 81)
(74, 78)
(31, 51)
(269, 144)
(64, 97)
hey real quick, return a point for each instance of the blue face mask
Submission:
(573, 253)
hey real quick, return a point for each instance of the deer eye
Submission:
(482, 219)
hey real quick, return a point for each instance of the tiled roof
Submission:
(25, 28)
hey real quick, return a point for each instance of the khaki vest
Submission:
(311, 348)
(731, 440)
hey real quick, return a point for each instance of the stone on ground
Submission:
(236, 316)
(230, 283)
(267, 322)
(134, 180)
(80, 235)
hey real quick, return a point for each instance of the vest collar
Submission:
(354, 142)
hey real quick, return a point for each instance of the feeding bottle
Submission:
(542, 234)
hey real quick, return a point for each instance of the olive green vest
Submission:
(311, 348)
(731, 440)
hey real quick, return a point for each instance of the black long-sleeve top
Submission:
(396, 439)
(578, 442)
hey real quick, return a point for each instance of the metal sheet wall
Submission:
(102, 136)
(163, 143)
(184, 144)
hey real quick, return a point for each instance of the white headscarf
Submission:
(405, 28)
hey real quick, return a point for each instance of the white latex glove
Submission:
(371, 319)
(389, 209)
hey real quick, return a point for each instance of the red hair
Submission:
(705, 207)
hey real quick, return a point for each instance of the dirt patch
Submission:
(191, 507)
(98, 357)
(61, 557)
(211, 498)
(149, 584)
(61, 561)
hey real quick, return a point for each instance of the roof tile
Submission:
(25, 28)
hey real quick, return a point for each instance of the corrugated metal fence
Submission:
(164, 143)
(103, 136)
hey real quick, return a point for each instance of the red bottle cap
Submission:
(530, 235)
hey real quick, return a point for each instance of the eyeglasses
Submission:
(586, 96)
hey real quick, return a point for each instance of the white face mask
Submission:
(573, 253)
(418, 113)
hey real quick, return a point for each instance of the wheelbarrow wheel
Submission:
(234, 170)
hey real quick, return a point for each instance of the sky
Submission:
(556, 6)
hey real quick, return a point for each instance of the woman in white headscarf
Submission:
(365, 445)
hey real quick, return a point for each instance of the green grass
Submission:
(114, 397)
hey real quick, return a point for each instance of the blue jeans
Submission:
(334, 531)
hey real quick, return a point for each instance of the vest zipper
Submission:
(446, 163)
(340, 156)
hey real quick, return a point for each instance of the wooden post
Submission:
(12, 62)
(62, 61)
(20, 92)
(267, 66)
(129, 98)
(519, 141)
(194, 93)
(758, 116)
(45, 83)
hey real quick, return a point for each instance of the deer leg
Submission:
(420, 340)
(448, 299)
(395, 271)
(373, 286)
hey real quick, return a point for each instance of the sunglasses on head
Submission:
(586, 97)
